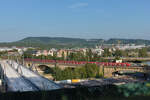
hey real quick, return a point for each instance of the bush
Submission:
(86, 71)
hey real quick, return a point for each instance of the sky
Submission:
(74, 18)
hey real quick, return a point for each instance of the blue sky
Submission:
(74, 18)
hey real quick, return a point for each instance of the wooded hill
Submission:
(62, 42)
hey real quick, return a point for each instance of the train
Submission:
(79, 62)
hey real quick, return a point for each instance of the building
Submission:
(130, 46)
(98, 50)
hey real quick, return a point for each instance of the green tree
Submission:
(67, 73)
(91, 70)
(86, 71)
(89, 55)
(57, 73)
(63, 56)
(143, 52)
(118, 53)
(107, 53)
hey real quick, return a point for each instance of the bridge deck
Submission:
(41, 82)
(15, 81)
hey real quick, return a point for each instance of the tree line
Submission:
(74, 56)
(90, 56)
(83, 72)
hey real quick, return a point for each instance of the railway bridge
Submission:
(108, 68)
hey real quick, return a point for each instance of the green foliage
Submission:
(91, 70)
(117, 58)
(107, 53)
(57, 73)
(132, 89)
(74, 56)
(88, 56)
(86, 71)
(120, 53)
(61, 42)
(104, 92)
(3, 53)
(63, 56)
(143, 52)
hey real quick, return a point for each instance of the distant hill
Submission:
(61, 42)
(128, 41)
(54, 42)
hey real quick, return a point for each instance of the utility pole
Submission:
(55, 68)
(119, 42)
(23, 59)
(8, 56)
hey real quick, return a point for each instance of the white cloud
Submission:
(79, 5)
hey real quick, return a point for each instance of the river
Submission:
(147, 62)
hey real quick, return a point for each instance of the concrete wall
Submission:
(109, 70)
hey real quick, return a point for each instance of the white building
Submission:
(98, 50)
(125, 47)
(5, 49)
